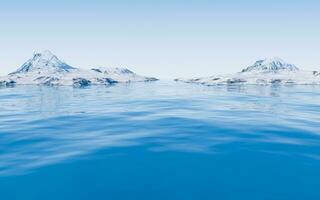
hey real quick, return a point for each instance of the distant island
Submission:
(46, 69)
(262, 72)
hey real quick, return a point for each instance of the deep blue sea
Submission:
(160, 141)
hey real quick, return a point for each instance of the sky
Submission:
(165, 39)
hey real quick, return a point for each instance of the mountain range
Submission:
(262, 72)
(46, 69)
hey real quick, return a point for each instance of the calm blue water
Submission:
(161, 140)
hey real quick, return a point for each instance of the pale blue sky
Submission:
(166, 39)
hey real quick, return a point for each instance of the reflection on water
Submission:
(42, 126)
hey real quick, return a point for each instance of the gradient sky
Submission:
(166, 39)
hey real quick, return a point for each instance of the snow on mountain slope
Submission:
(42, 62)
(46, 69)
(262, 72)
(274, 65)
(316, 73)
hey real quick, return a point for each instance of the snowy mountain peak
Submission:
(271, 65)
(44, 61)
(116, 70)
(46, 55)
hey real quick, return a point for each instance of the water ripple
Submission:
(41, 126)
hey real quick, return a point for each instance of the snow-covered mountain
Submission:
(263, 72)
(44, 62)
(46, 69)
(274, 65)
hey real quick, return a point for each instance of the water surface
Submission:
(161, 140)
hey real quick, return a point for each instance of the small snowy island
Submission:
(263, 72)
(46, 69)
